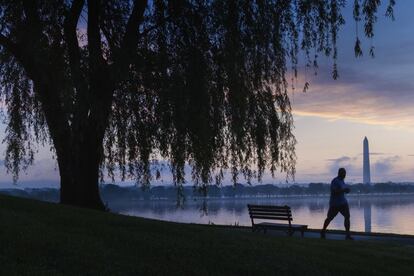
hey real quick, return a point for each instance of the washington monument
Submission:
(366, 167)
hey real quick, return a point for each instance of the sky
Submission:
(373, 97)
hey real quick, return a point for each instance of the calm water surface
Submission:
(387, 213)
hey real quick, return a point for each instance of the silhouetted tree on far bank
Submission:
(117, 84)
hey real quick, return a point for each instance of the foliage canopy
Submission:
(197, 82)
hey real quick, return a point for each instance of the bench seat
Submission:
(280, 225)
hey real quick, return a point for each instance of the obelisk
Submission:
(366, 167)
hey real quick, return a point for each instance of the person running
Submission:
(338, 203)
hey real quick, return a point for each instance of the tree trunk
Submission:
(81, 190)
(76, 118)
(78, 150)
(79, 178)
(79, 161)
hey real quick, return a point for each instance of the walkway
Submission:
(358, 236)
(337, 235)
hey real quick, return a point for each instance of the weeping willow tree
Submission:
(113, 86)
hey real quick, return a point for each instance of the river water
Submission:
(374, 213)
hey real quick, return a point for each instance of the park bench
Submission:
(269, 212)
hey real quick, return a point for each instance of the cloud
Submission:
(377, 153)
(385, 165)
(382, 169)
(358, 96)
(347, 162)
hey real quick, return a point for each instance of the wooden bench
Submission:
(269, 212)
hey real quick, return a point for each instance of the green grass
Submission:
(48, 239)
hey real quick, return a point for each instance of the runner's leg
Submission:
(344, 210)
(332, 212)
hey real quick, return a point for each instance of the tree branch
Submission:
(130, 39)
(131, 32)
(33, 20)
(30, 11)
(94, 35)
(10, 46)
(31, 41)
(19, 54)
(70, 24)
(109, 38)
(37, 65)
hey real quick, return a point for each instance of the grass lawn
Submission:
(49, 239)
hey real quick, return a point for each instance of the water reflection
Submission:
(391, 213)
(367, 216)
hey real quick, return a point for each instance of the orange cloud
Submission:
(358, 97)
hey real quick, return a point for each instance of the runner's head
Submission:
(341, 173)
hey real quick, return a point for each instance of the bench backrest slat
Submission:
(273, 207)
(270, 212)
(269, 209)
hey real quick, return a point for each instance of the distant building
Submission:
(366, 166)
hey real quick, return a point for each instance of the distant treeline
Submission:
(267, 190)
(114, 192)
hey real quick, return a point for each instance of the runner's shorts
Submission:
(334, 210)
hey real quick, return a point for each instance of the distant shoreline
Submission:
(166, 193)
